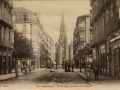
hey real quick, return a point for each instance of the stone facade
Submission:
(6, 36)
(105, 16)
(81, 37)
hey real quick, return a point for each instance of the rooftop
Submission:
(22, 10)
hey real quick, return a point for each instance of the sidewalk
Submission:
(11, 75)
(101, 78)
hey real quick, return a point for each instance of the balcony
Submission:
(99, 10)
(112, 24)
(11, 45)
(98, 38)
(82, 39)
(6, 43)
(93, 42)
(6, 18)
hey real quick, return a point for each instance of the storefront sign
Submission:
(118, 37)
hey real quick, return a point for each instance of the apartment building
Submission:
(29, 25)
(105, 15)
(81, 37)
(6, 36)
(47, 50)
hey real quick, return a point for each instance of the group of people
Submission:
(95, 70)
(68, 67)
(24, 69)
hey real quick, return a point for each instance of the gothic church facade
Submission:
(62, 47)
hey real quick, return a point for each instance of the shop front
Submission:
(115, 58)
(102, 60)
(5, 61)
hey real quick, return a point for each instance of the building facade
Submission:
(105, 15)
(62, 43)
(6, 36)
(81, 37)
(47, 50)
(29, 25)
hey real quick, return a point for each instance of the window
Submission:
(24, 28)
(81, 39)
(117, 9)
(111, 10)
(106, 16)
(91, 36)
(24, 17)
(103, 23)
(4, 5)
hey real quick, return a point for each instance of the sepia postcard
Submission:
(59, 44)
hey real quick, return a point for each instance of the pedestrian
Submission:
(96, 73)
(26, 70)
(16, 71)
(30, 69)
(72, 67)
(21, 69)
(65, 66)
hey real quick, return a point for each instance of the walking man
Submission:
(16, 71)
(96, 73)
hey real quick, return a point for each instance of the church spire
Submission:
(62, 29)
(62, 22)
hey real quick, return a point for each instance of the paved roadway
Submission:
(45, 79)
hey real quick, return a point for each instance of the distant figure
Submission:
(65, 67)
(68, 67)
(16, 72)
(72, 67)
(26, 70)
(30, 69)
(96, 73)
(21, 69)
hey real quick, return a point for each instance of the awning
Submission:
(112, 40)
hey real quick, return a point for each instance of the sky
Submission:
(50, 14)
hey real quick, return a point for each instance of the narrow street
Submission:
(44, 77)
(60, 77)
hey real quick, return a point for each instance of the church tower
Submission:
(62, 43)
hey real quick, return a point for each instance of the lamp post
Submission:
(56, 60)
(80, 64)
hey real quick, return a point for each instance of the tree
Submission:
(87, 50)
(87, 55)
(22, 46)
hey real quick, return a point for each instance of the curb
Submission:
(84, 77)
(12, 77)
(81, 75)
